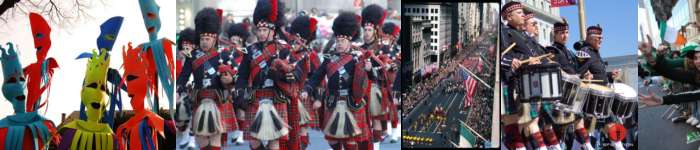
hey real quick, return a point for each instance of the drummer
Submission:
(547, 135)
(563, 56)
(593, 67)
(516, 112)
(567, 61)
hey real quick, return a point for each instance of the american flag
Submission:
(469, 86)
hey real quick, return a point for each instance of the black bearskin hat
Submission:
(305, 26)
(373, 14)
(240, 30)
(269, 12)
(187, 35)
(207, 21)
(391, 29)
(346, 24)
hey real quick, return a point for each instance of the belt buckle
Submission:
(343, 92)
(268, 83)
(341, 102)
(265, 101)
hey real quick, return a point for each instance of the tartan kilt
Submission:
(377, 106)
(253, 108)
(361, 117)
(228, 117)
(393, 113)
(314, 122)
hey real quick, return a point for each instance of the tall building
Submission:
(419, 43)
(440, 18)
(545, 15)
(468, 21)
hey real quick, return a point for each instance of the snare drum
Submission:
(540, 82)
(574, 94)
(599, 101)
(625, 102)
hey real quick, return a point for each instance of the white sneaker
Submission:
(231, 137)
(397, 133)
(388, 126)
(239, 140)
(376, 145)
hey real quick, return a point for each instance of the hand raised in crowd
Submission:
(651, 99)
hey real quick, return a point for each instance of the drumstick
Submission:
(536, 58)
(508, 49)
(592, 80)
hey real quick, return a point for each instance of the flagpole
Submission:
(581, 19)
(475, 77)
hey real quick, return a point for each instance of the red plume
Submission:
(273, 13)
(312, 25)
(220, 13)
(396, 32)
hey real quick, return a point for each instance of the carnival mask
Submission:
(108, 33)
(42, 35)
(13, 86)
(94, 92)
(150, 11)
(135, 73)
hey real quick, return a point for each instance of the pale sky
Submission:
(69, 41)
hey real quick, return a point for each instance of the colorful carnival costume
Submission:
(84, 134)
(345, 116)
(24, 129)
(140, 131)
(26, 119)
(159, 55)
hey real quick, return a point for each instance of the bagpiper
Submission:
(237, 36)
(207, 120)
(302, 32)
(372, 20)
(392, 56)
(345, 116)
(260, 73)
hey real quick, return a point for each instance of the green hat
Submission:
(689, 50)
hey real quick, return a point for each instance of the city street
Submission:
(652, 127)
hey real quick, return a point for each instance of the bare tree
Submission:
(58, 12)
